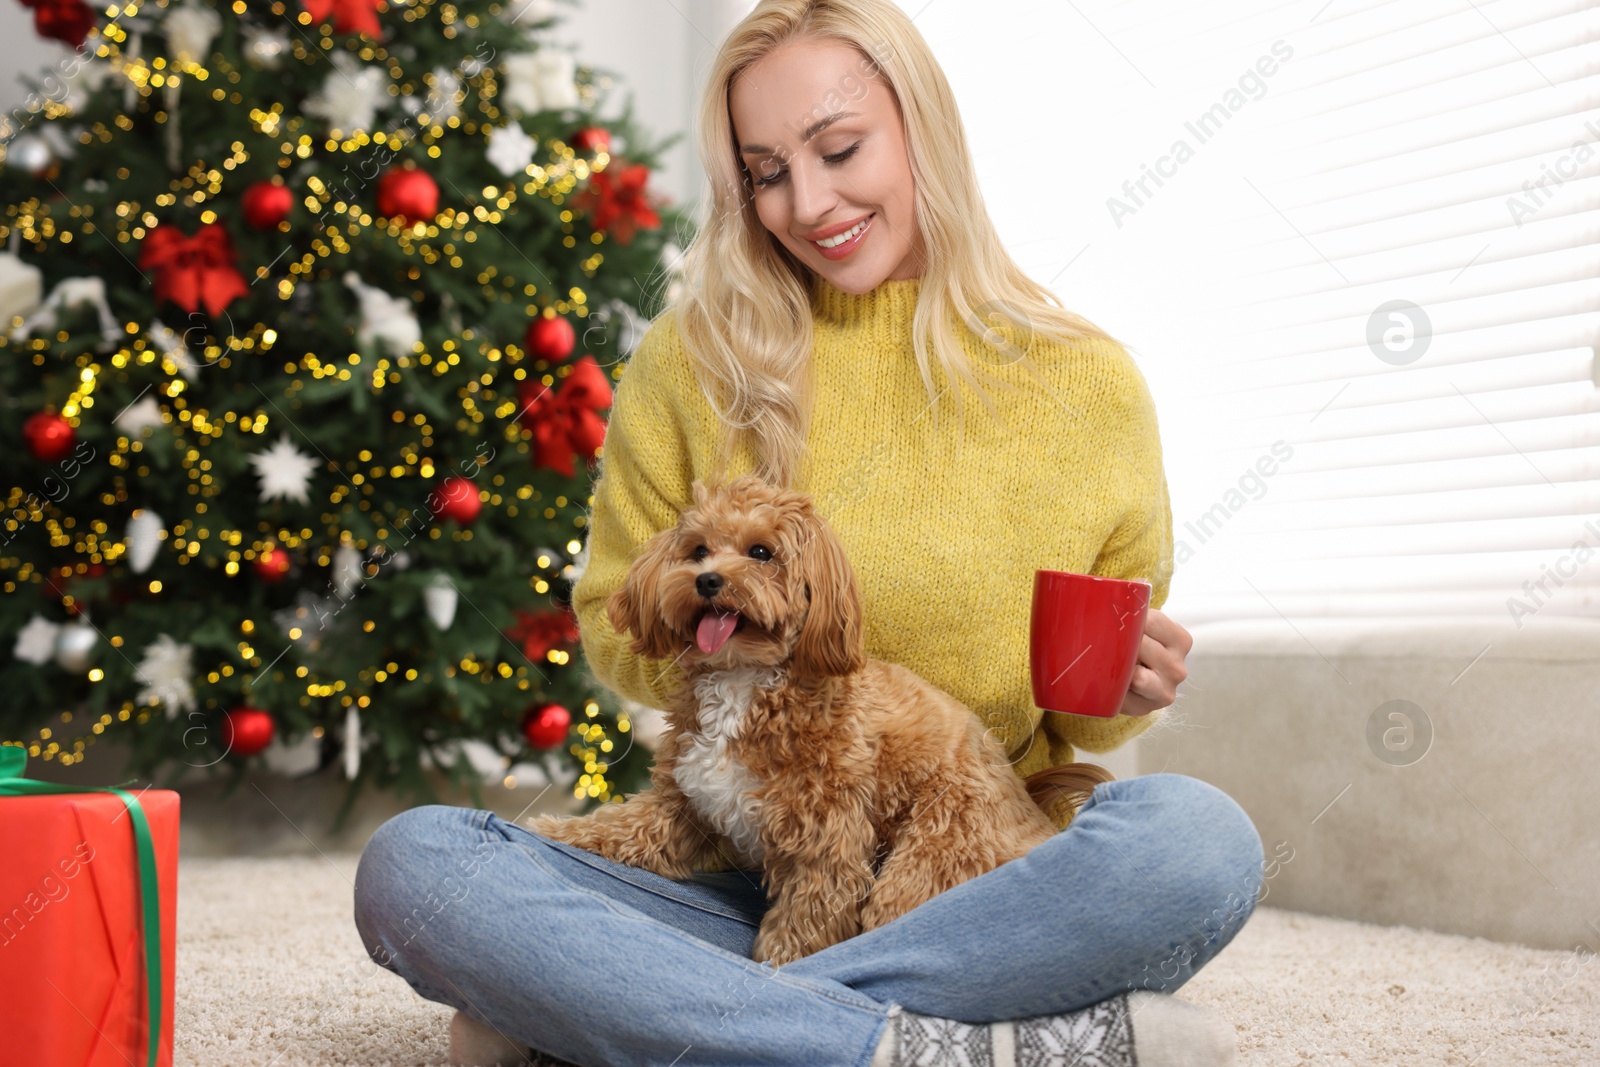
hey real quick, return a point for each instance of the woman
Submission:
(807, 359)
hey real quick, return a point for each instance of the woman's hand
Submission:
(1155, 679)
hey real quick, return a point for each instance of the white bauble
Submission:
(144, 539)
(347, 572)
(75, 646)
(29, 152)
(440, 597)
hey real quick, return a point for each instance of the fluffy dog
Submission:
(858, 789)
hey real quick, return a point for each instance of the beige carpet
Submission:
(271, 974)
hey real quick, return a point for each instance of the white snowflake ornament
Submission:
(285, 471)
(349, 98)
(165, 672)
(510, 149)
(36, 642)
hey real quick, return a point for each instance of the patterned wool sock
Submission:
(1137, 1029)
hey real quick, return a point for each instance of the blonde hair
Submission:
(744, 305)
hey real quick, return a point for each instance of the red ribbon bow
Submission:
(349, 16)
(618, 201)
(539, 632)
(567, 422)
(193, 270)
(63, 20)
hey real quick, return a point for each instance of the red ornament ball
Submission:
(63, 20)
(271, 564)
(592, 139)
(49, 436)
(404, 192)
(551, 338)
(545, 726)
(266, 204)
(246, 731)
(456, 498)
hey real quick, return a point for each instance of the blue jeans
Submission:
(605, 964)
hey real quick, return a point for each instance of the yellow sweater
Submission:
(945, 544)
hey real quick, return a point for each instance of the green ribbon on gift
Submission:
(13, 765)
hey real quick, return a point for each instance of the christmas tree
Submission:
(310, 314)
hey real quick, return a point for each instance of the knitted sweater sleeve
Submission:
(1141, 545)
(643, 484)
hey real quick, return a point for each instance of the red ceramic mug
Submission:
(1084, 640)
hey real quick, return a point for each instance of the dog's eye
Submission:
(761, 552)
(700, 552)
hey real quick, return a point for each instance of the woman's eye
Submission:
(835, 159)
(842, 156)
(760, 552)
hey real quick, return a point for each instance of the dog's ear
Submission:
(700, 492)
(636, 606)
(830, 642)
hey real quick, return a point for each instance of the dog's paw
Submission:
(546, 825)
(777, 947)
(579, 831)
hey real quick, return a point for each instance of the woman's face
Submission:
(850, 170)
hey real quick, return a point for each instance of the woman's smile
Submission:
(842, 244)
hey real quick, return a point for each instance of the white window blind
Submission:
(1404, 295)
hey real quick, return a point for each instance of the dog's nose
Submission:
(708, 585)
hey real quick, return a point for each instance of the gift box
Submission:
(88, 922)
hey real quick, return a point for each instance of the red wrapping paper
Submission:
(72, 969)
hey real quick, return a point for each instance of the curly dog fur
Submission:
(858, 789)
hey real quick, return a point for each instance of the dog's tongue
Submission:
(714, 630)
